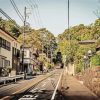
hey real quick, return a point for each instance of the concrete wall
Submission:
(70, 69)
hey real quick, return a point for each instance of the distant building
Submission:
(9, 53)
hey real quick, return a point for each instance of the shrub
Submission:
(95, 60)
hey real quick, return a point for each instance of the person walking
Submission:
(41, 67)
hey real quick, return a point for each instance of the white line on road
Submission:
(54, 93)
(43, 85)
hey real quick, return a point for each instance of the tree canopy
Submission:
(68, 42)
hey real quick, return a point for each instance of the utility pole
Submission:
(69, 35)
(68, 15)
(68, 25)
(24, 30)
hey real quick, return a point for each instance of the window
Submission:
(5, 44)
(7, 63)
(8, 45)
(0, 42)
(0, 61)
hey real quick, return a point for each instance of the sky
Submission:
(53, 14)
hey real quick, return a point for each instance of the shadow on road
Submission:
(64, 96)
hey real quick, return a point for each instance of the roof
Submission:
(87, 42)
(6, 32)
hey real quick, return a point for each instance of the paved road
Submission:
(18, 89)
(43, 90)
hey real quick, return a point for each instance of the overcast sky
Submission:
(53, 13)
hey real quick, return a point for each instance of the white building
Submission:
(27, 63)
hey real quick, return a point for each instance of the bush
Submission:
(79, 67)
(95, 61)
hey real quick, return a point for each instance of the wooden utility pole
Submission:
(24, 30)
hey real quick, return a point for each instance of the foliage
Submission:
(10, 26)
(68, 42)
(95, 61)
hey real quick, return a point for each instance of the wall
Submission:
(91, 79)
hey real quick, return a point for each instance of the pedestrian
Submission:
(62, 65)
(41, 67)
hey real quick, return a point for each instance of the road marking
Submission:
(33, 90)
(43, 85)
(41, 90)
(27, 96)
(27, 99)
(54, 93)
(36, 96)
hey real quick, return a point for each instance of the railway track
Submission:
(43, 90)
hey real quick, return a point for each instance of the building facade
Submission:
(9, 53)
(27, 61)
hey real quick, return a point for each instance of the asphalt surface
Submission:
(43, 90)
(36, 88)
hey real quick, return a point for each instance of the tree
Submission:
(73, 51)
(10, 27)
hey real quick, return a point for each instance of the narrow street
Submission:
(32, 88)
(49, 49)
(42, 88)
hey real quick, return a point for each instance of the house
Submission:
(28, 59)
(9, 54)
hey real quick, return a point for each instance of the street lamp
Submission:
(89, 53)
(85, 60)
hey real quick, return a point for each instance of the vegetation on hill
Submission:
(68, 43)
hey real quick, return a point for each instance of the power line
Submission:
(17, 10)
(33, 12)
(8, 17)
(38, 13)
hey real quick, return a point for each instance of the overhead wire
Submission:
(17, 10)
(9, 18)
(35, 6)
(38, 13)
(33, 12)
